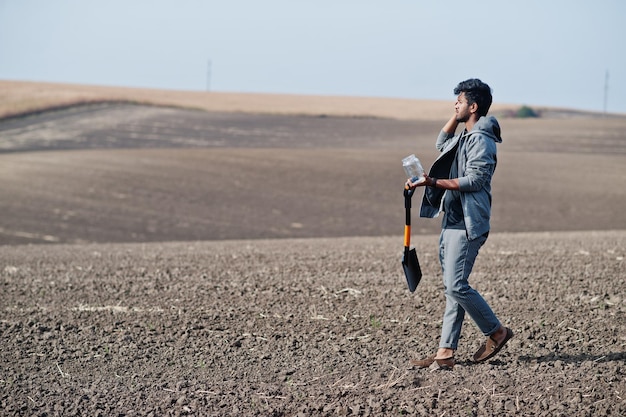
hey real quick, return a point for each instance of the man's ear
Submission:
(473, 108)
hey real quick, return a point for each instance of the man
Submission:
(459, 184)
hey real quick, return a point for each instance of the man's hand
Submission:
(423, 181)
(451, 125)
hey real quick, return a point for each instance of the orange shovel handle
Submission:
(407, 235)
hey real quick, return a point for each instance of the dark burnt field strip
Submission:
(107, 126)
(124, 125)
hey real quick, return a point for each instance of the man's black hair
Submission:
(477, 92)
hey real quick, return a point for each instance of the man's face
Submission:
(462, 109)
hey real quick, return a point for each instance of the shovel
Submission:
(410, 264)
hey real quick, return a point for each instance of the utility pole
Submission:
(208, 76)
(606, 89)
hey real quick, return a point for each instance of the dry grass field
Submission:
(232, 254)
(19, 98)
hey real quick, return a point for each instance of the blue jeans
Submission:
(457, 255)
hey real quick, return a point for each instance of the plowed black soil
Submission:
(206, 264)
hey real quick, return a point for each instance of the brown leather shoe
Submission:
(490, 348)
(444, 364)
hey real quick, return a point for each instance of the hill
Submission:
(124, 173)
(167, 261)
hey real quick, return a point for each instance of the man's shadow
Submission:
(553, 357)
(580, 358)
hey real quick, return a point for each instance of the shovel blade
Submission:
(412, 269)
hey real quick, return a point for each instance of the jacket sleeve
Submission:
(443, 139)
(480, 154)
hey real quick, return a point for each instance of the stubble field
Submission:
(161, 261)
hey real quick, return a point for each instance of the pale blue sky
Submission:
(535, 52)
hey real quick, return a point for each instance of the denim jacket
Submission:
(476, 165)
